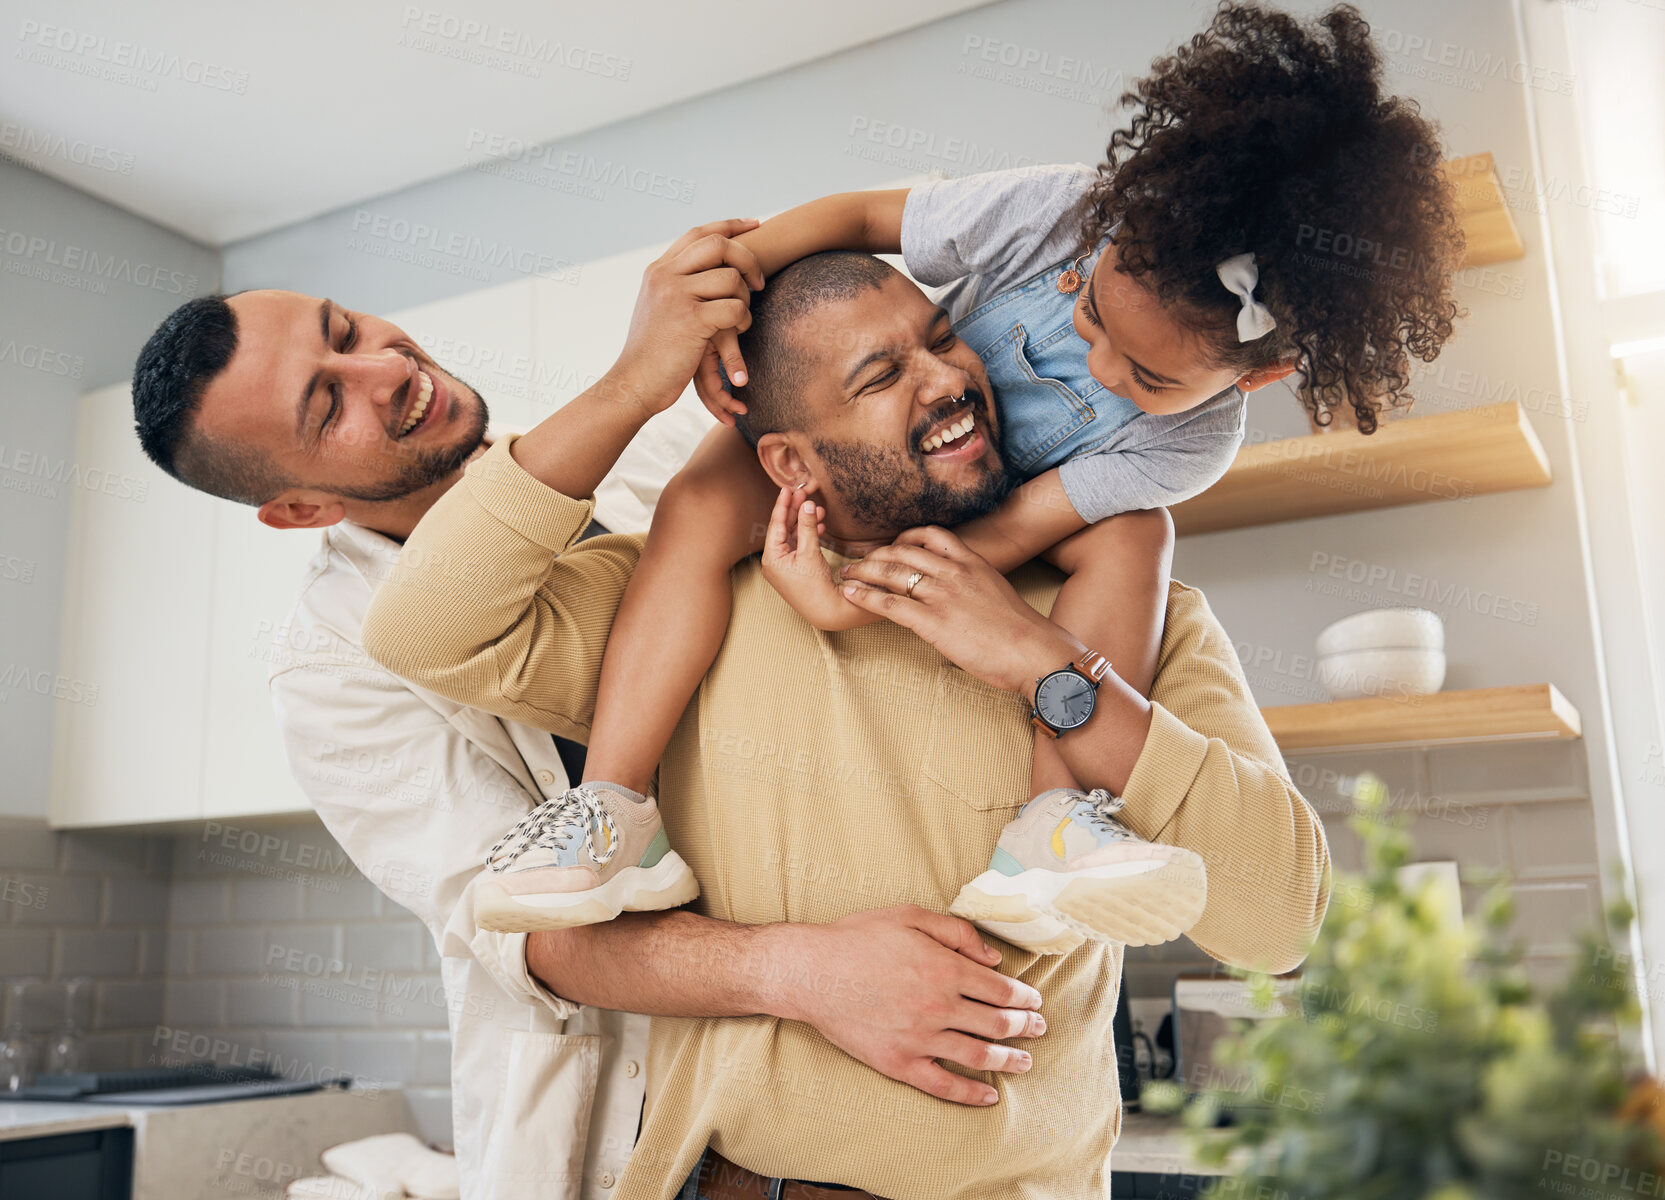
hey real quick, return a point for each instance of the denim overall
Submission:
(1051, 408)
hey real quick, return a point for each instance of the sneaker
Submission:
(1065, 870)
(579, 859)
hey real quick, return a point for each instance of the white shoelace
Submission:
(553, 822)
(1105, 808)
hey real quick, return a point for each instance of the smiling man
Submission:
(304, 409)
(819, 776)
(313, 414)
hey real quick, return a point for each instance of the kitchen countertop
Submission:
(1153, 1145)
(39, 1118)
(207, 1151)
(1149, 1145)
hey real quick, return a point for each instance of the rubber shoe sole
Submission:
(1037, 909)
(667, 884)
(1014, 919)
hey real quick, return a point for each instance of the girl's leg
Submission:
(1115, 600)
(671, 621)
(1064, 870)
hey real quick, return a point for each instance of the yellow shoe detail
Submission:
(1058, 839)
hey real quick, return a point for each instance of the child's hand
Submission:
(721, 364)
(793, 565)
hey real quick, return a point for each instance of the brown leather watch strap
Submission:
(1093, 665)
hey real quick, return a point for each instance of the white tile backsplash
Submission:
(253, 1004)
(200, 902)
(86, 904)
(26, 952)
(1517, 811)
(194, 1003)
(327, 976)
(315, 968)
(230, 950)
(1548, 840)
(141, 901)
(97, 952)
(262, 900)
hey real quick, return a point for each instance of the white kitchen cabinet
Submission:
(171, 600)
(256, 575)
(137, 605)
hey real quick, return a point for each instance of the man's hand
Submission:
(698, 288)
(691, 291)
(899, 988)
(962, 606)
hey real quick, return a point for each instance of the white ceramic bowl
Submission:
(1397, 674)
(1383, 629)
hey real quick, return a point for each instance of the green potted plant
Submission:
(1422, 1064)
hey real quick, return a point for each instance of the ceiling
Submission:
(225, 121)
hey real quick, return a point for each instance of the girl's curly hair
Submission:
(1269, 135)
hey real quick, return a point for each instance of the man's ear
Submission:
(301, 510)
(786, 463)
(1261, 376)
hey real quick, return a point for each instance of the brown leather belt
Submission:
(723, 1180)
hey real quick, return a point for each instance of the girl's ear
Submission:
(785, 463)
(1258, 378)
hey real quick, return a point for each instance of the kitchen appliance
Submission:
(168, 1086)
(1121, 1031)
(1208, 1008)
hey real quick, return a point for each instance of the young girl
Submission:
(1122, 314)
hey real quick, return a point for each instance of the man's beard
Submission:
(889, 490)
(424, 468)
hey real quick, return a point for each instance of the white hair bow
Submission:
(1240, 275)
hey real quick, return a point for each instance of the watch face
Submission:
(1065, 699)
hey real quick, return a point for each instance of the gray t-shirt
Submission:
(979, 236)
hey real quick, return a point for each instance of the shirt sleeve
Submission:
(1004, 225)
(1210, 778)
(413, 803)
(1118, 480)
(497, 605)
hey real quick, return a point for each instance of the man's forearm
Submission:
(667, 964)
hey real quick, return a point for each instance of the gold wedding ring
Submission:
(913, 582)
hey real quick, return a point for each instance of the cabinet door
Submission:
(137, 604)
(69, 1166)
(257, 573)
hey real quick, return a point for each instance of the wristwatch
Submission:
(1064, 699)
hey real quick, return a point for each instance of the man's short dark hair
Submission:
(188, 350)
(774, 365)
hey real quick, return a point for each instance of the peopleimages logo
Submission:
(49, 252)
(425, 245)
(40, 143)
(498, 45)
(132, 63)
(41, 358)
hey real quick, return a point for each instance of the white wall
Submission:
(82, 284)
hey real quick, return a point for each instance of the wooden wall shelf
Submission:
(1532, 712)
(1451, 456)
(1488, 225)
